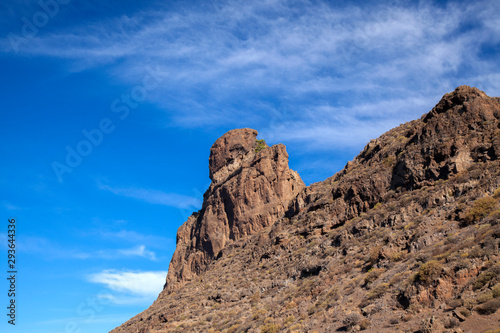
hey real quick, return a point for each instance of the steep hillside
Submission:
(404, 238)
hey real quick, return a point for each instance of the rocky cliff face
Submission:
(251, 189)
(404, 238)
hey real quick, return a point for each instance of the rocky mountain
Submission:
(404, 239)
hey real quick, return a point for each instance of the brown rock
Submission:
(432, 325)
(230, 149)
(250, 190)
(444, 289)
(450, 138)
(460, 316)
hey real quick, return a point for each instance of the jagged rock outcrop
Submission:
(452, 138)
(460, 130)
(405, 238)
(250, 190)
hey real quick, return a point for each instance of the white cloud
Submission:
(115, 254)
(129, 287)
(139, 251)
(223, 59)
(51, 250)
(155, 197)
(131, 236)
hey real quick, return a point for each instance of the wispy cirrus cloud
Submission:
(155, 196)
(115, 254)
(130, 236)
(139, 251)
(228, 63)
(129, 287)
(10, 207)
(51, 250)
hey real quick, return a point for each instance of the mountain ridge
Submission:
(356, 251)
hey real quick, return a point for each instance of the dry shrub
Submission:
(295, 327)
(451, 322)
(480, 209)
(429, 271)
(351, 319)
(364, 323)
(373, 274)
(493, 217)
(486, 277)
(378, 291)
(397, 256)
(484, 297)
(489, 307)
(374, 255)
(455, 303)
(233, 328)
(289, 320)
(270, 326)
(496, 290)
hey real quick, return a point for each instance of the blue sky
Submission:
(109, 110)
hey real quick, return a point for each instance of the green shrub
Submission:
(480, 209)
(429, 271)
(261, 144)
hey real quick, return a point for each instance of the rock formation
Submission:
(250, 190)
(405, 238)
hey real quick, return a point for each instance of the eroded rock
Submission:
(250, 190)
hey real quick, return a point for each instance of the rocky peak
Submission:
(250, 190)
(229, 150)
(461, 129)
(456, 98)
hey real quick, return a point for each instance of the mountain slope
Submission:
(404, 238)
